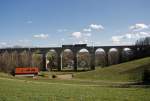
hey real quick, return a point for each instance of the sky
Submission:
(49, 23)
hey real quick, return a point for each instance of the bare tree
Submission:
(1, 62)
(143, 41)
(143, 47)
(6, 62)
(37, 60)
(24, 59)
(14, 60)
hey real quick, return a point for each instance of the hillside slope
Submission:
(129, 71)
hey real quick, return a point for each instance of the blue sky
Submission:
(47, 23)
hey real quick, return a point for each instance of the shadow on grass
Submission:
(132, 85)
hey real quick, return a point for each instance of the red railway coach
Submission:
(27, 71)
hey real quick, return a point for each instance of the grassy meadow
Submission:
(18, 90)
(125, 72)
(102, 84)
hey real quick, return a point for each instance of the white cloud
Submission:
(137, 35)
(87, 30)
(81, 38)
(24, 43)
(138, 27)
(146, 34)
(87, 34)
(4, 44)
(93, 27)
(128, 36)
(16, 44)
(84, 35)
(117, 38)
(77, 35)
(96, 27)
(41, 36)
(133, 35)
(142, 34)
(122, 39)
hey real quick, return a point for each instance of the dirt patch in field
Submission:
(65, 76)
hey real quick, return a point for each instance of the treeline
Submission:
(143, 41)
(10, 60)
(143, 47)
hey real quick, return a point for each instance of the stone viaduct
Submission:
(75, 49)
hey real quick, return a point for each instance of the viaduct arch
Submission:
(75, 49)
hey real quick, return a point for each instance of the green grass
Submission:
(129, 71)
(19, 90)
(98, 85)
